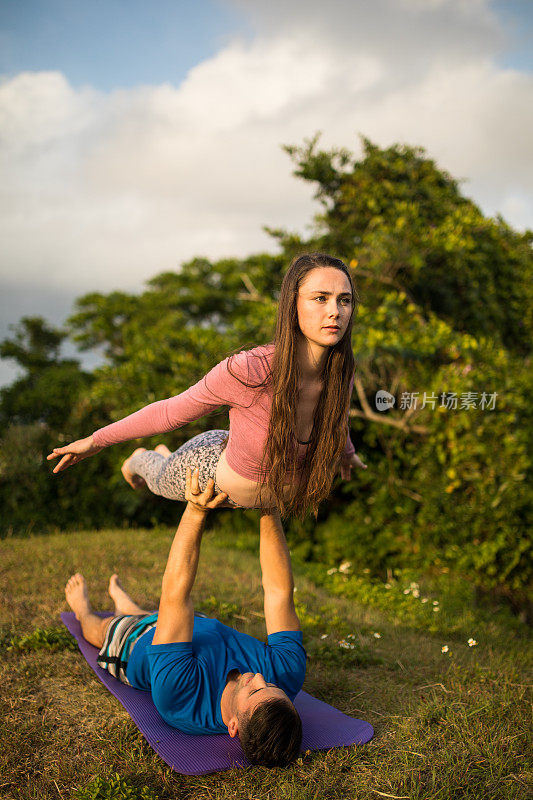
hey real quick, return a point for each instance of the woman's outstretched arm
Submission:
(215, 389)
(74, 452)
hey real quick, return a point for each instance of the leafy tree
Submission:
(50, 385)
(164, 340)
(49, 404)
(408, 226)
(446, 310)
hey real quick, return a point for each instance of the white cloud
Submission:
(104, 190)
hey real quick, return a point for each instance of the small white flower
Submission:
(376, 635)
(406, 591)
(387, 586)
(332, 570)
(444, 649)
(425, 599)
(472, 642)
(345, 566)
(324, 636)
(295, 589)
(436, 608)
(435, 602)
(350, 636)
(416, 593)
(413, 585)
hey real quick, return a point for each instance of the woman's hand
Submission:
(346, 468)
(72, 453)
(201, 501)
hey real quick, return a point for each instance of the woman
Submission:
(288, 399)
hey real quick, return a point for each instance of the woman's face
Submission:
(324, 299)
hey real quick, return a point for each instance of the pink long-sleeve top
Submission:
(249, 412)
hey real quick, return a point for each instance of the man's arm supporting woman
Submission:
(175, 621)
(278, 581)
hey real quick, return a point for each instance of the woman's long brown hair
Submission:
(330, 426)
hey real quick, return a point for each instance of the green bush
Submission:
(44, 639)
(113, 788)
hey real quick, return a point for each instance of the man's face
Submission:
(251, 690)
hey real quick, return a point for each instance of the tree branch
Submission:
(252, 293)
(366, 273)
(368, 414)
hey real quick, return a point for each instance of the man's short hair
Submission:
(272, 735)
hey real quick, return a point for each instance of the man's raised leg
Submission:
(123, 602)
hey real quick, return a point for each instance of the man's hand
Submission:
(72, 453)
(201, 501)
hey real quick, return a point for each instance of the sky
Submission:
(134, 135)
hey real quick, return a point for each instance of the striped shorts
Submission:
(121, 635)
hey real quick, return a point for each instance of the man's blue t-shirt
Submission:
(187, 678)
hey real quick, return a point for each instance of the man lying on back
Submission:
(206, 677)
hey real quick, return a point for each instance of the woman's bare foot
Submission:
(162, 449)
(123, 602)
(77, 596)
(134, 480)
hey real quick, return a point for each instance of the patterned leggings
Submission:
(167, 476)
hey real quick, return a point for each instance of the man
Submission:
(206, 677)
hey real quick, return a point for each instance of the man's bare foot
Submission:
(123, 602)
(134, 480)
(162, 449)
(77, 596)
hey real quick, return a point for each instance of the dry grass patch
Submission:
(446, 727)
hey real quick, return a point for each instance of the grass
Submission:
(451, 725)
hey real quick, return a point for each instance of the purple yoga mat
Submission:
(323, 726)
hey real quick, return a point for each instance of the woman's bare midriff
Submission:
(242, 491)
(245, 492)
